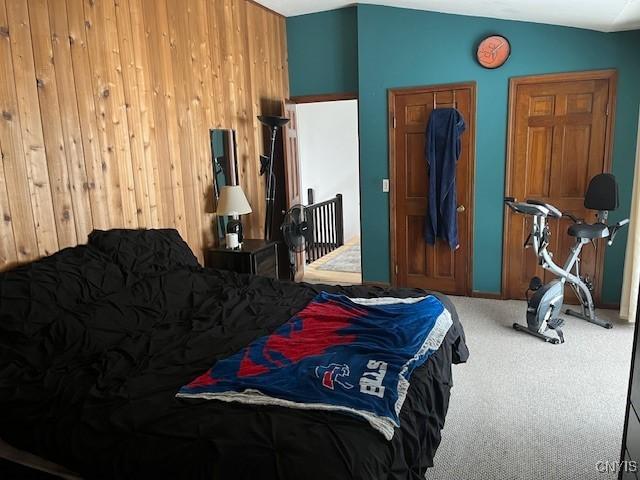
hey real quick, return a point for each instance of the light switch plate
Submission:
(385, 185)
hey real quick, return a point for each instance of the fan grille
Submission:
(297, 228)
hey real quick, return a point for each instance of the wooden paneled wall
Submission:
(106, 107)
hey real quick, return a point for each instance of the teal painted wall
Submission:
(400, 48)
(323, 52)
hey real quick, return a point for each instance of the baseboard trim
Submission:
(489, 295)
(609, 306)
(376, 284)
(474, 293)
(498, 296)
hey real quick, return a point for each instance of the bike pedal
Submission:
(556, 323)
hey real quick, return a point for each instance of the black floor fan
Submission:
(297, 230)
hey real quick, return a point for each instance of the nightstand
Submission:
(257, 257)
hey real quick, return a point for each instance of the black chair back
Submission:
(602, 193)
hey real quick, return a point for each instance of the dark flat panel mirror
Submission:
(225, 166)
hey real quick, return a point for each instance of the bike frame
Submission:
(539, 235)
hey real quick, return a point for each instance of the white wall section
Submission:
(328, 150)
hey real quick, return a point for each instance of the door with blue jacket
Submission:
(432, 156)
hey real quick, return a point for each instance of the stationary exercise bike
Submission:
(545, 305)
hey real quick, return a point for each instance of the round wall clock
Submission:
(493, 51)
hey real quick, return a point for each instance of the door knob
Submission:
(460, 209)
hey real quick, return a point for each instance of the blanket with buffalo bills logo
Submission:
(343, 354)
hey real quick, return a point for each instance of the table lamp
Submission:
(233, 202)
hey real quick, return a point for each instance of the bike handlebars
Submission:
(539, 208)
(533, 207)
(614, 230)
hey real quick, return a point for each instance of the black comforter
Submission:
(96, 340)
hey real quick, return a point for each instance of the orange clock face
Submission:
(493, 51)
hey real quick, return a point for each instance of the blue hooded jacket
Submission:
(442, 150)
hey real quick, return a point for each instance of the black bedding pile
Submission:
(96, 340)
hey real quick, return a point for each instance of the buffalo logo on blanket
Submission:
(332, 374)
(370, 382)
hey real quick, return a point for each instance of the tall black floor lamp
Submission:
(266, 168)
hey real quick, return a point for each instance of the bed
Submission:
(96, 340)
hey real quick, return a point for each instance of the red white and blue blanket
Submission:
(338, 353)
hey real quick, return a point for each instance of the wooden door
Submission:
(292, 170)
(414, 263)
(559, 139)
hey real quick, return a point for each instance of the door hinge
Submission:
(394, 121)
(396, 269)
(607, 112)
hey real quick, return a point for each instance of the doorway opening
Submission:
(328, 155)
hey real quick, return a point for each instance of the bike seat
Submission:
(585, 230)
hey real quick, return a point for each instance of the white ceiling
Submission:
(604, 15)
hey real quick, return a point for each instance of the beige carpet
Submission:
(522, 409)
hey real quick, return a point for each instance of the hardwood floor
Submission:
(313, 273)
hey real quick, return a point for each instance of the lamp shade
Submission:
(232, 201)
(272, 121)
